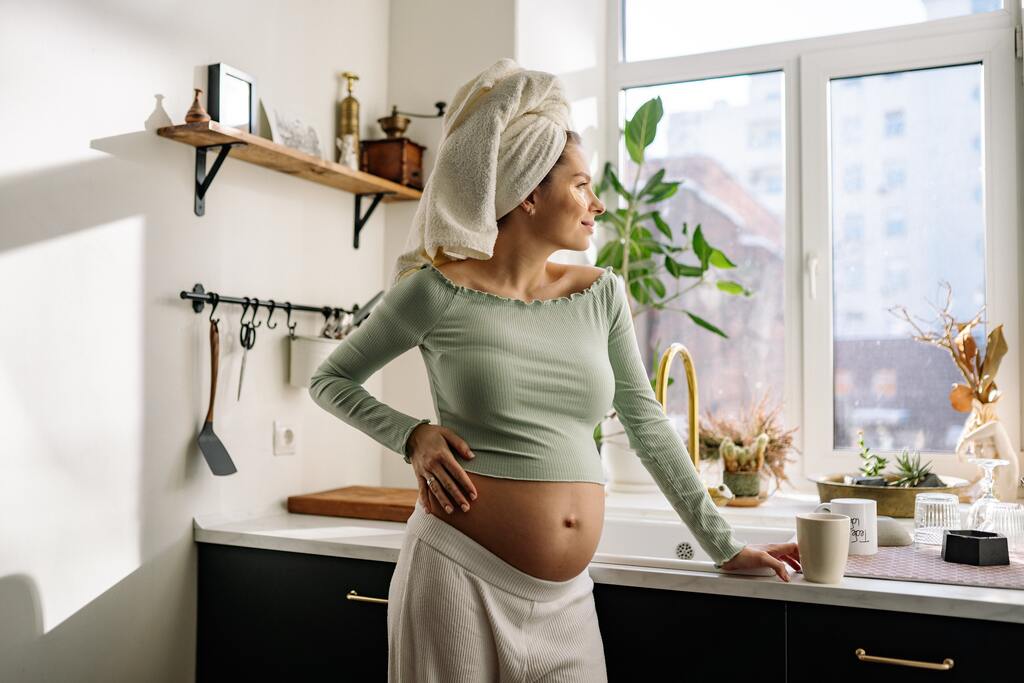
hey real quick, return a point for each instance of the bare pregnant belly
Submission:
(548, 529)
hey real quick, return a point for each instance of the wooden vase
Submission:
(196, 113)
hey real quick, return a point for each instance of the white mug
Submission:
(863, 514)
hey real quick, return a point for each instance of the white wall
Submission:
(104, 371)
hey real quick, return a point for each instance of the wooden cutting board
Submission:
(364, 502)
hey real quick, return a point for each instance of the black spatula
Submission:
(213, 450)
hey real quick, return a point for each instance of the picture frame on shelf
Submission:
(291, 131)
(231, 97)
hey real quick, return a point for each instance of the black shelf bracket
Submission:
(361, 219)
(204, 179)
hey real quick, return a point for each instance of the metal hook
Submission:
(245, 309)
(271, 315)
(243, 335)
(291, 325)
(215, 297)
(252, 320)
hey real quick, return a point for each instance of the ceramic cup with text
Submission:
(863, 514)
(824, 542)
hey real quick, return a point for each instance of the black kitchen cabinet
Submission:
(267, 614)
(272, 614)
(823, 642)
(665, 635)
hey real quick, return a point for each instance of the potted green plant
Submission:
(871, 467)
(644, 251)
(894, 492)
(743, 466)
(760, 418)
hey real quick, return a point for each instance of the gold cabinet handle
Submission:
(946, 664)
(352, 595)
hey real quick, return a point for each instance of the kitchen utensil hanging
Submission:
(247, 338)
(209, 443)
(213, 450)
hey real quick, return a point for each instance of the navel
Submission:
(570, 521)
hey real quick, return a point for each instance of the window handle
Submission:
(812, 274)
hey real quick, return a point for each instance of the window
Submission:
(895, 148)
(667, 28)
(896, 280)
(764, 134)
(853, 228)
(734, 192)
(767, 180)
(893, 124)
(852, 127)
(853, 178)
(895, 175)
(924, 239)
(895, 222)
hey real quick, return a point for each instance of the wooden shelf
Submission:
(262, 152)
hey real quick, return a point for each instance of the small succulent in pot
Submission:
(871, 467)
(743, 465)
(912, 473)
(762, 417)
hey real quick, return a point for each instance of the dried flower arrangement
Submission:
(758, 419)
(978, 393)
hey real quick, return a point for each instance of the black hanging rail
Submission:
(200, 297)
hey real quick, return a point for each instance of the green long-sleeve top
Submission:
(524, 383)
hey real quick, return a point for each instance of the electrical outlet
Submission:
(285, 438)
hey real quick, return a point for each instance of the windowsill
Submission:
(779, 510)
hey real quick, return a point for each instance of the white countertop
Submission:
(376, 540)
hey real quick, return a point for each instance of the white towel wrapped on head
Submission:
(503, 131)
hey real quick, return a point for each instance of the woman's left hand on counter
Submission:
(767, 555)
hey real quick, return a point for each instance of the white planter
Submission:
(625, 472)
(307, 353)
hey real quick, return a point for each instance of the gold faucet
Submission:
(721, 494)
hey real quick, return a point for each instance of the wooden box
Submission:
(397, 159)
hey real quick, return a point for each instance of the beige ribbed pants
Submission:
(458, 613)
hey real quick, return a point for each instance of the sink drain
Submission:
(684, 551)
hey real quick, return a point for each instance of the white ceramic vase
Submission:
(622, 466)
(991, 440)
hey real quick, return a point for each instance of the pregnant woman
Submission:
(524, 356)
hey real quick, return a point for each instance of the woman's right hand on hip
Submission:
(430, 450)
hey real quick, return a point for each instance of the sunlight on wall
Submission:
(71, 393)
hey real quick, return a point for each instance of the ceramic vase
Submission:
(991, 440)
(622, 466)
(743, 484)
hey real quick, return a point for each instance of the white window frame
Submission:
(807, 65)
(993, 47)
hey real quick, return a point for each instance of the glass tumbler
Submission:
(933, 513)
(1008, 520)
